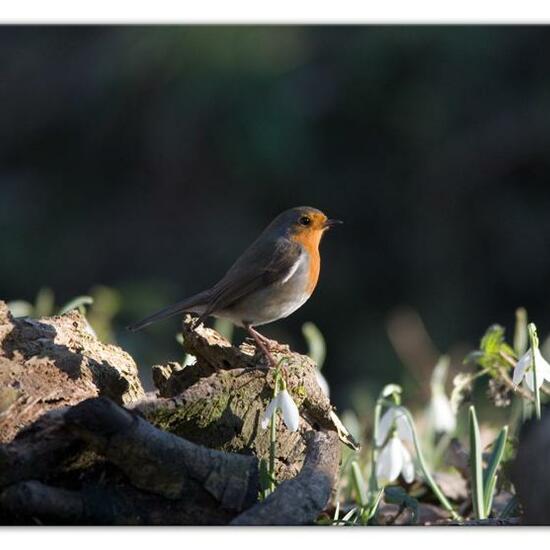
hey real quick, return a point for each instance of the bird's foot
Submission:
(271, 345)
(266, 341)
(263, 345)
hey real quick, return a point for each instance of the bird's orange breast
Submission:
(310, 241)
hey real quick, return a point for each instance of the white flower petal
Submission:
(291, 414)
(521, 366)
(273, 404)
(384, 425)
(390, 461)
(543, 368)
(408, 465)
(403, 427)
(530, 381)
(322, 381)
(443, 417)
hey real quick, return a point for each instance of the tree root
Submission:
(189, 455)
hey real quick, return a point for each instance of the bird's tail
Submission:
(195, 304)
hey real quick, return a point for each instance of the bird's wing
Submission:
(263, 263)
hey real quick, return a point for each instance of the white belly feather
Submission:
(277, 301)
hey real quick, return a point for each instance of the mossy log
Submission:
(220, 400)
(101, 452)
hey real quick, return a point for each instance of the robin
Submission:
(274, 276)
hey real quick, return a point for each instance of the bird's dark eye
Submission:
(304, 220)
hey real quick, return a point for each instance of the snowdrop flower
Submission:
(441, 413)
(523, 370)
(284, 402)
(394, 416)
(322, 381)
(394, 459)
(89, 329)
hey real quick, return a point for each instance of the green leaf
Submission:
(510, 508)
(520, 332)
(317, 348)
(359, 485)
(373, 506)
(336, 512)
(490, 472)
(476, 467)
(20, 308)
(76, 303)
(349, 515)
(491, 348)
(44, 303)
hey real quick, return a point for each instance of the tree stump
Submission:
(83, 444)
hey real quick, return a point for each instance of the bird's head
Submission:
(308, 220)
(305, 224)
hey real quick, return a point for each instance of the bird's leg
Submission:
(263, 338)
(261, 343)
(268, 343)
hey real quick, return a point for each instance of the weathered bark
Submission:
(298, 500)
(53, 362)
(219, 401)
(188, 456)
(132, 472)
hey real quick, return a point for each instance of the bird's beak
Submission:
(331, 223)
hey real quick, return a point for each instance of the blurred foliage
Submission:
(317, 347)
(492, 348)
(100, 309)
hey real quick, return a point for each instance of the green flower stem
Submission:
(534, 341)
(390, 397)
(272, 444)
(273, 433)
(373, 482)
(422, 463)
(520, 332)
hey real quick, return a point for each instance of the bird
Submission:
(273, 277)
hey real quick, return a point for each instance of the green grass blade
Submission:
(336, 512)
(476, 467)
(489, 494)
(349, 515)
(359, 485)
(373, 507)
(489, 478)
(520, 332)
(316, 344)
(510, 508)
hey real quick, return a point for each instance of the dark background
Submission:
(146, 159)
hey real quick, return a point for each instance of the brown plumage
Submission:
(274, 276)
